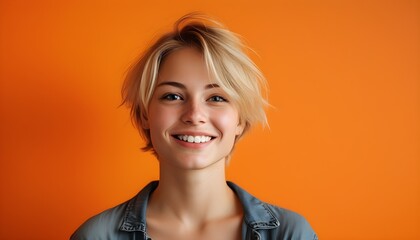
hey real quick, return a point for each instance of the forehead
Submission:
(184, 64)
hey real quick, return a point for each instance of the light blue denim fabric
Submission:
(262, 221)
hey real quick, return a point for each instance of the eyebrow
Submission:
(182, 86)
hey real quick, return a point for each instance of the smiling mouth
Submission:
(193, 139)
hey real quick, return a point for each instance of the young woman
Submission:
(192, 95)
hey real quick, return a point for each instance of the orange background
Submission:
(344, 137)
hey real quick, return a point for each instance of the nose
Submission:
(194, 113)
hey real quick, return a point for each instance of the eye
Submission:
(217, 99)
(171, 97)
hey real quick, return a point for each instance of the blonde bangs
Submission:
(237, 74)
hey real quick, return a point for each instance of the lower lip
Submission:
(192, 145)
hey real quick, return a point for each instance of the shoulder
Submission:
(104, 225)
(292, 225)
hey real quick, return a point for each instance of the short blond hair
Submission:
(226, 60)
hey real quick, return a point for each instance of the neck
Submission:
(194, 196)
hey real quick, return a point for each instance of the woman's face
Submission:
(192, 121)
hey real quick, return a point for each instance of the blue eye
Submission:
(171, 97)
(217, 99)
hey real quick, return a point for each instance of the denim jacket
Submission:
(262, 221)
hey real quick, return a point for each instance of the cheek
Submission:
(161, 118)
(227, 122)
(155, 117)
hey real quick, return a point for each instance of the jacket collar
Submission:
(135, 214)
(257, 214)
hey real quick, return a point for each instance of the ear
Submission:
(144, 120)
(240, 128)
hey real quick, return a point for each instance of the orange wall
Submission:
(344, 137)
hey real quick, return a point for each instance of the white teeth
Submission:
(194, 139)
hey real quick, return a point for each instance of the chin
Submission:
(196, 163)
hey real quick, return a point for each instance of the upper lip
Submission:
(193, 133)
